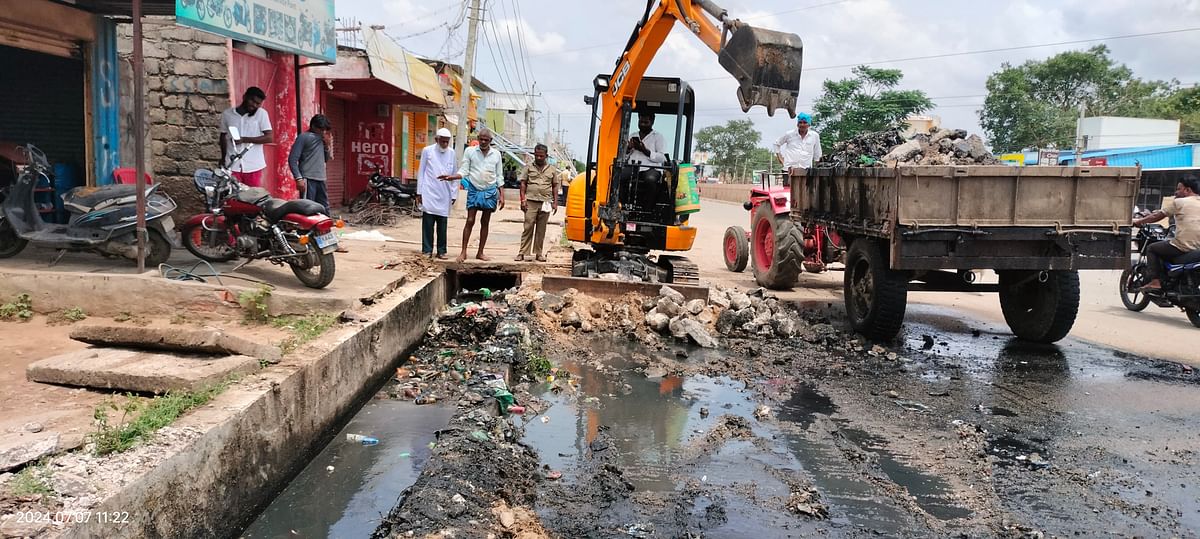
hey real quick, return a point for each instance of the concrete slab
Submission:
(193, 341)
(602, 288)
(131, 370)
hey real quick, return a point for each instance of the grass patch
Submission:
(19, 309)
(303, 328)
(140, 418)
(30, 481)
(255, 304)
(69, 316)
(536, 363)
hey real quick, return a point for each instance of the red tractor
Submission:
(779, 249)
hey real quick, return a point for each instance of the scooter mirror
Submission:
(233, 132)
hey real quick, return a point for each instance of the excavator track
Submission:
(683, 271)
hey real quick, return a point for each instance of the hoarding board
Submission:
(304, 27)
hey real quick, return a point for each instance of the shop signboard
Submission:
(304, 27)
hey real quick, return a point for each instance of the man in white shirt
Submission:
(483, 167)
(800, 148)
(254, 126)
(648, 145)
(436, 196)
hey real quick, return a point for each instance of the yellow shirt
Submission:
(1186, 212)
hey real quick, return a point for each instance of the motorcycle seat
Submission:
(253, 195)
(1187, 262)
(275, 209)
(90, 199)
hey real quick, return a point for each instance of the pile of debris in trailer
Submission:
(891, 148)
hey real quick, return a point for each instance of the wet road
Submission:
(981, 432)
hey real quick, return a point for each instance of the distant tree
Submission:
(731, 145)
(1037, 103)
(868, 101)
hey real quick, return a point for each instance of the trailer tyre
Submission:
(876, 296)
(777, 249)
(1039, 307)
(736, 248)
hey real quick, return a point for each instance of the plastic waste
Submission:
(365, 440)
(516, 409)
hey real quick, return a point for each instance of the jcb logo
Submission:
(620, 78)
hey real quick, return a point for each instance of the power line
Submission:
(948, 54)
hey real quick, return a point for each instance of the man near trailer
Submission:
(801, 147)
(1185, 208)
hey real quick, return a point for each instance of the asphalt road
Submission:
(1156, 332)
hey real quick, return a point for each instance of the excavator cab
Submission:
(640, 211)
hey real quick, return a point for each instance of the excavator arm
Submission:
(625, 210)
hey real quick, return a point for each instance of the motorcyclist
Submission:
(1185, 208)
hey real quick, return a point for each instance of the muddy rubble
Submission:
(891, 148)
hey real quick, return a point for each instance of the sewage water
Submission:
(366, 481)
(658, 431)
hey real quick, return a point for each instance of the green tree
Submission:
(1036, 104)
(868, 101)
(731, 145)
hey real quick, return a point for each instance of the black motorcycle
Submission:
(1180, 285)
(103, 219)
(387, 191)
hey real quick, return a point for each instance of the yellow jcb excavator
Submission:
(626, 206)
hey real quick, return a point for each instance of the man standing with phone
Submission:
(254, 127)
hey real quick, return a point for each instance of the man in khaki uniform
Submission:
(539, 184)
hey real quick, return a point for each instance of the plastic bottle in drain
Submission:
(365, 440)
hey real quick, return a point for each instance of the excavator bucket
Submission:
(766, 64)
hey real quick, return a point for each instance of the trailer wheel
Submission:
(777, 249)
(1039, 306)
(735, 248)
(876, 295)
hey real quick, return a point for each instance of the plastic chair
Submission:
(128, 176)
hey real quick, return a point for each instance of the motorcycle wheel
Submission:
(209, 245)
(10, 242)
(158, 248)
(360, 202)
(316, 270)
(1132, 280)
(1194, 316)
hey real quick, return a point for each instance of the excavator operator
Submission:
(647, 146)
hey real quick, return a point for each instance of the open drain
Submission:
(458, 280)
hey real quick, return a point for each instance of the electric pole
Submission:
(464, 96)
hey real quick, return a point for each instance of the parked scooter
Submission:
(102, 219)
(388, 191)
(246, 222)
(1180, 285)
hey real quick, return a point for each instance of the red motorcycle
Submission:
(246, 222)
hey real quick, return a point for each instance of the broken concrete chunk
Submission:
(132, 370)
(197, 341)
(784, 326)
(939, 135)
(738, 301)
(19, 451)
(657, 321)
(572, 319)
(551, 302)
(678, 330)
(649, 303)
(695, 306)
(904, 151)
(718, 298)
(674, 295)
(668, 306)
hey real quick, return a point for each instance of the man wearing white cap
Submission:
(436, 196)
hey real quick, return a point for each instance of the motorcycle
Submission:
(1180, 282)
(388, 191)
(102, 219)
(246, 222)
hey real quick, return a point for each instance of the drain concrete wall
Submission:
(258, 435)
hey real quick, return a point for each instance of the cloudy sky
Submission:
(562, 44)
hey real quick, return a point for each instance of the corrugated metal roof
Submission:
(1149, 157)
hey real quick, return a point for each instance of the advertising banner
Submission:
(304, 27)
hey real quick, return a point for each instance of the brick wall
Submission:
(733, 192)
(186, 82)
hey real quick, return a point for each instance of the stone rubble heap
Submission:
(890, 148)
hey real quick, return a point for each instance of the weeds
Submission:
(141, 418)
(303, 328)
(30, 481)
(255, 304)
(74, 314)
(536, 362)
(126, 316)
(19, 309)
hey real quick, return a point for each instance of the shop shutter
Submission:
(44, 104)
(335, 110)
